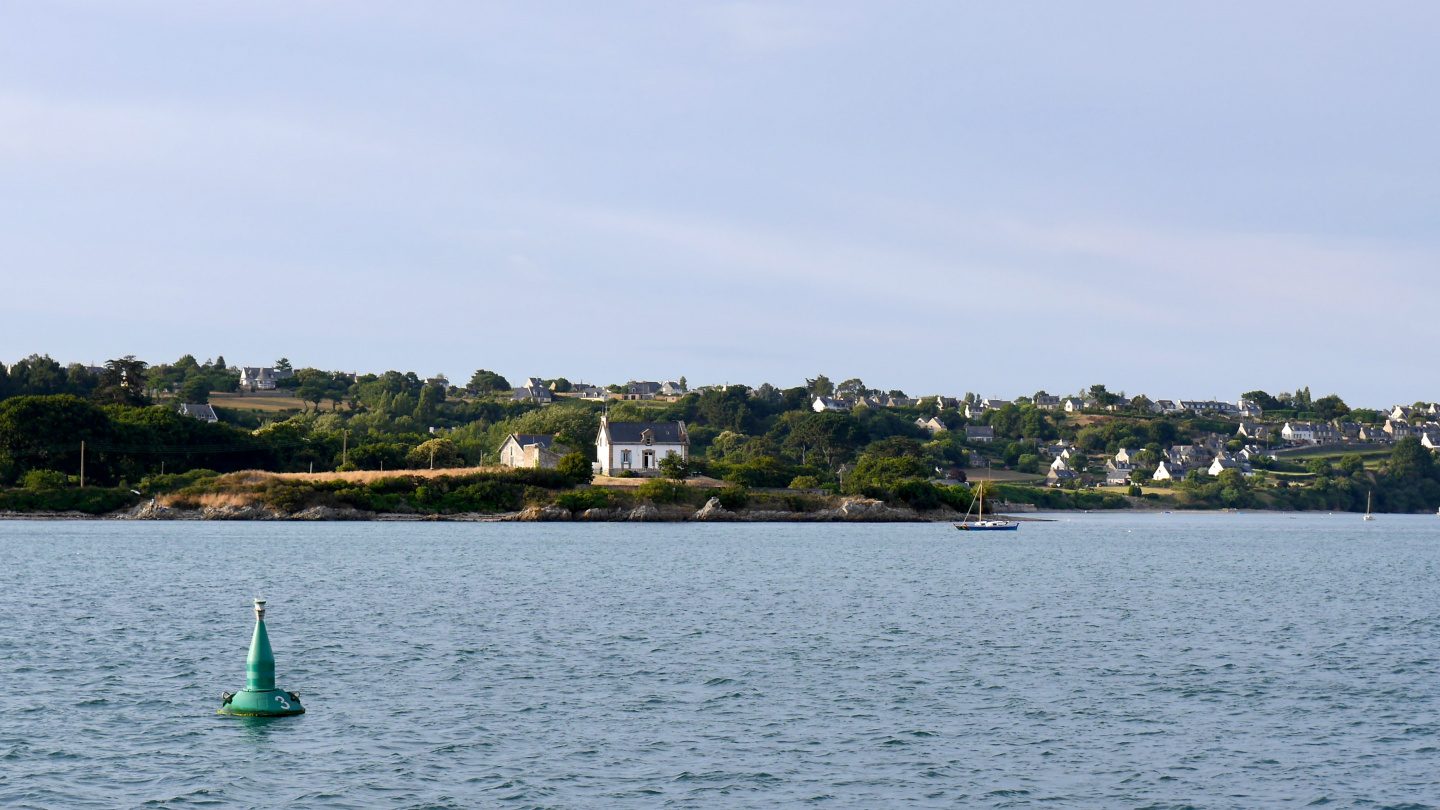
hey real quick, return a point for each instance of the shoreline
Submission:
(854, 510)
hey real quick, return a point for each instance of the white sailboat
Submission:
(1368, 516)
(980, 524)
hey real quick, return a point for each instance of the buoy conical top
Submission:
(260, 698)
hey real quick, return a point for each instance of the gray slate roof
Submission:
(664, 432)
(525, 439)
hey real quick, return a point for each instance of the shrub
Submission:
(918, 494)
(44, 480)
(1136, 491)
(576, 467)
(588, 498)
(733, 497)
(662, 491)
(626, 474)
(805, 482)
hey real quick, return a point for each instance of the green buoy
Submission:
(260, 698)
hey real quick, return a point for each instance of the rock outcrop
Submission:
(713, 511)
(329, 513)
(646, 513)
(248, 512)
(544, 514)
(869, 510)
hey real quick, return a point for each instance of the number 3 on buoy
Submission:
(283, 703)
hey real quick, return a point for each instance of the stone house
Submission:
(532, 450)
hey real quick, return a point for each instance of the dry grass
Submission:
(368, 476)
(699, 482)
(268, 401)
(216, 499)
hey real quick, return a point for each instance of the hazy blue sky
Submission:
(1173, 199)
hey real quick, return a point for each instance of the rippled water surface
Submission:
(1097, 661)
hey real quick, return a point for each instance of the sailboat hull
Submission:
(987, 526)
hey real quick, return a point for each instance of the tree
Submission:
(674, 467)
(852, 389)
(314, 386)
(435, 454)
(484, 382)
(1330, 407)
(684, 386)
(429, 403)
(1300, 400)
(560, 385)
(220, 363)
(833, 435)
(283, 364)
(195, 391)
(820, 386)
(1264, 400)
(1410, 460)
(123, 382)
(1351, 464)
(576, 467)
(1102, 397)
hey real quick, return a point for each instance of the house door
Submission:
(648, 462)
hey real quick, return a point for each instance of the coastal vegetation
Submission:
(122, 419)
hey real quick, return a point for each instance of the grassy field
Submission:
(268, 401)
(1003, 476)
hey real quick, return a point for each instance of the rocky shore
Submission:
(852, 510)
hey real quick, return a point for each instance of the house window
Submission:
(648, 462)
(625, 459)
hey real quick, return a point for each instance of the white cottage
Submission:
(639, 446)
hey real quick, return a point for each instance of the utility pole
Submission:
(344, 448)
(82, 464)
(432, 456)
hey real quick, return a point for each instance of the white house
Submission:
(1168, 471)
(1430, 439)
(1250, 409)
(1167, 406)
(261, 379)
(827, 404)
(1251, 430)
(1401, 413)
(1126, 457)
(1225, 461)
(1059, 464)
(1300, 432)
(672, 388)
(979, 433)
(532, 450)
(639, 446)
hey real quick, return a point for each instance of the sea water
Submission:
(1110, 660)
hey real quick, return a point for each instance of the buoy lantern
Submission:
(260, 698)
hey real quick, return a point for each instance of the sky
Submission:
(1177, 199)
